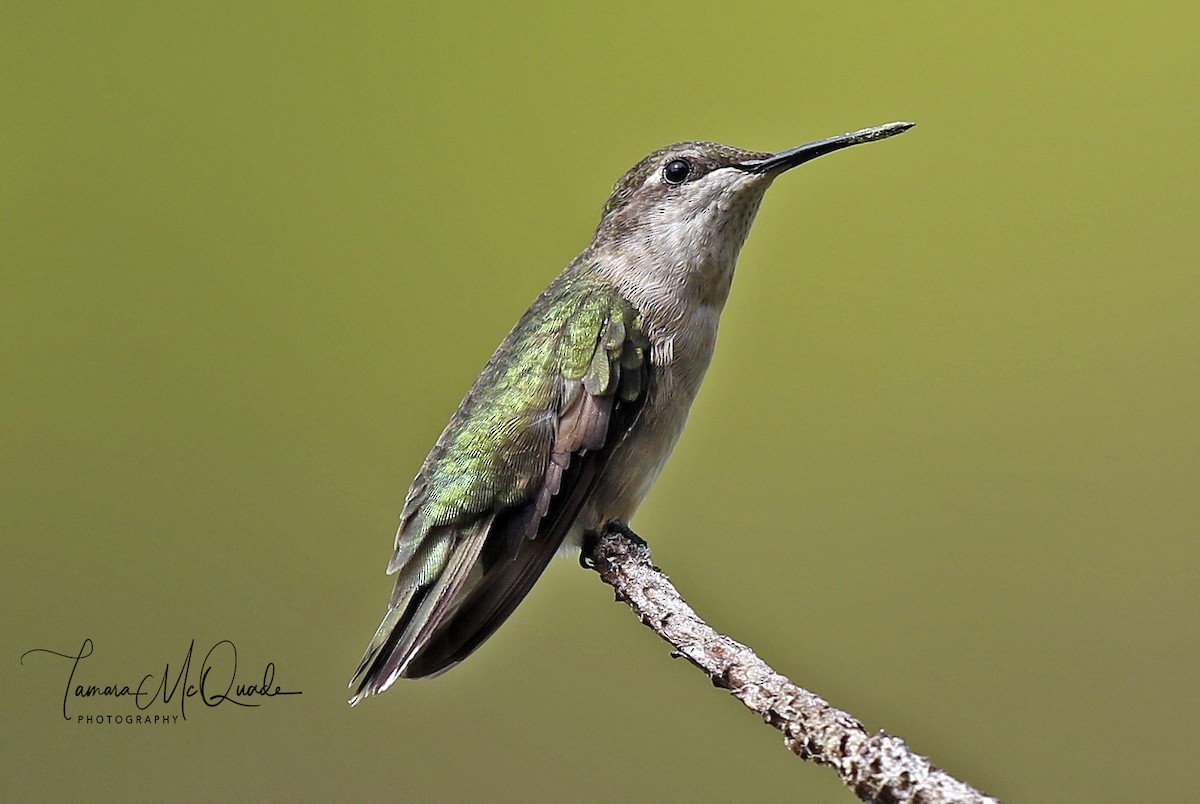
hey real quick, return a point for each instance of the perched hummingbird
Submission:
(576, 412)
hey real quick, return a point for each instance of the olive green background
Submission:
(944, 470)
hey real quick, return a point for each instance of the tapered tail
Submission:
(430, 627)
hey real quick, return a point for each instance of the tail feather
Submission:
(418, 610)
(483, 609)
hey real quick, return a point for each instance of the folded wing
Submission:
(507, 478)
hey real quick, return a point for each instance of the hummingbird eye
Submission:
(675, 171)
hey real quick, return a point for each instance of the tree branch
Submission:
(877, 767)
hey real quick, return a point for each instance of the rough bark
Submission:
(876, 767)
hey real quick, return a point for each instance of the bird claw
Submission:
(587, 545)
(590, 539)
(617, 526)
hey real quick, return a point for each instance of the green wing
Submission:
(506, 479)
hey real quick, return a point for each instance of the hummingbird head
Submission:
(677, 220)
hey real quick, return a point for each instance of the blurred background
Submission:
(943, 471)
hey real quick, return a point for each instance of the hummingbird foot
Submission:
(591, 539)
(587, 548)
(617, 526)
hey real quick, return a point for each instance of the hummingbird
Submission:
(578, 409)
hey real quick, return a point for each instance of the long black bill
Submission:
(785, 160)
